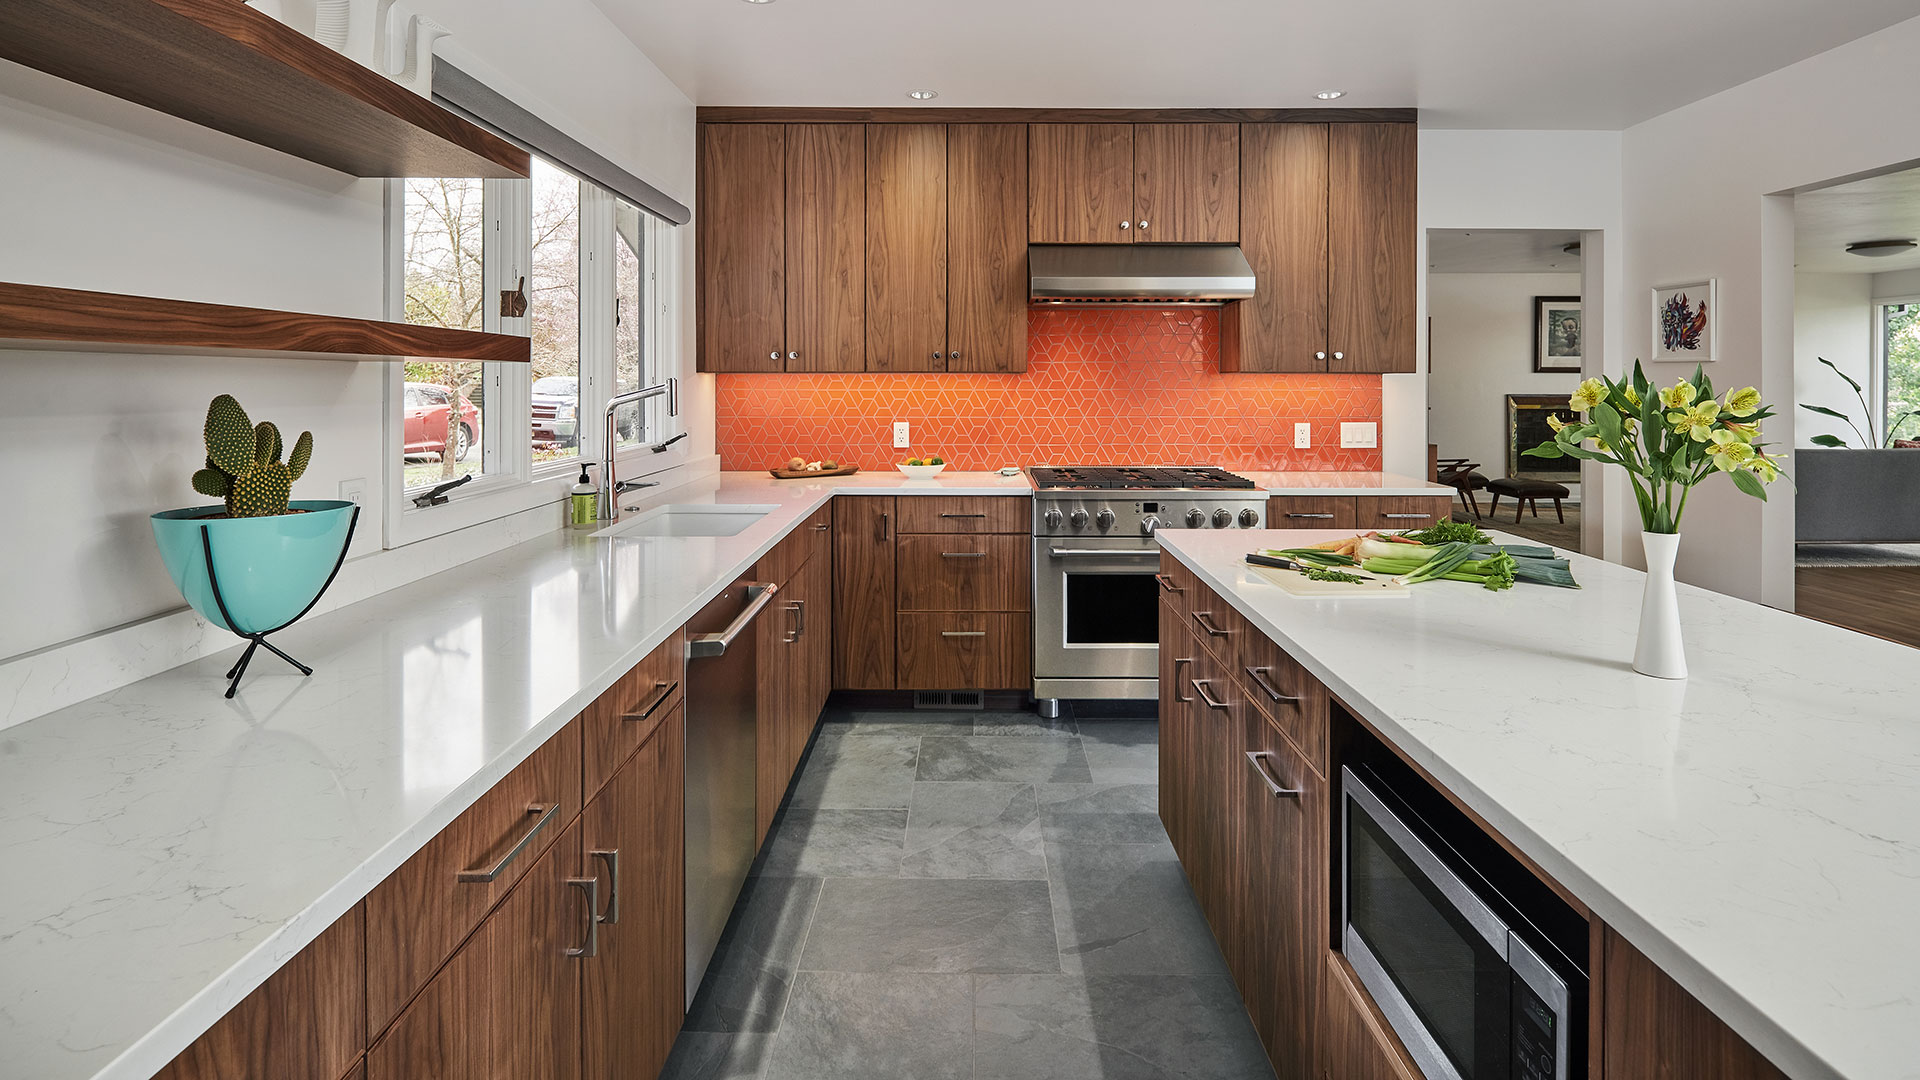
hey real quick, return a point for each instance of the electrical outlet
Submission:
(1359, 436)
(1302, 436)
(354, 491)
(900, 441)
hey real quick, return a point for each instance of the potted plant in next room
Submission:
(257, 562)
(1668, 440)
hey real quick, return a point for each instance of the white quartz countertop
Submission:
(165, 849)
(1753, 829)
(1343, 483)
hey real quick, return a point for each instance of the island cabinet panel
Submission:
(422, 911)
(742, 278)
(508, 1003)
(1283, 234)
(1186, 186)
(1355, 1042)
(1656, 1030)
(1371, 268)
(633, 991)
(906, 247)
(826, 174)
(306, 1022)
(863, 584)
(987, 247)
(1399, 512)
(618, 721)
(1293, 700)
(1312, 512)
(1176, 723)
(1080, 186)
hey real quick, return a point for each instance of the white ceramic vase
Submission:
(1660, 652)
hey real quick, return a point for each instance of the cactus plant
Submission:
(243, 461)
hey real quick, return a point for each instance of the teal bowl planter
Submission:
(255, 575)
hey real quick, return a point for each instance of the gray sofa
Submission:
(1857, 496)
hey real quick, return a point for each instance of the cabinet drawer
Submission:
(965, 651)
(1214, 624)
(423, 910)
(618, 721)
(1311, 512)
(1279, 687)
(964, 573)
(1397, 512)
(809, 538)
(1176, 584)
(966, 514)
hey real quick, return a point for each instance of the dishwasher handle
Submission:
(762, 593)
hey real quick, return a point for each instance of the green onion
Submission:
(1445, 561)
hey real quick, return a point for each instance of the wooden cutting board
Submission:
(802, 474)
(1295, 583)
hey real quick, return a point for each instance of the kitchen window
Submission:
(553, 312)
(444, 410)
(1897, 383)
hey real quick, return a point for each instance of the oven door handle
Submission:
(1124, 553)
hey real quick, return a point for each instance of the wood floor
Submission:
(1879, 600)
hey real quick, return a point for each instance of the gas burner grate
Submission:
(1137, 478)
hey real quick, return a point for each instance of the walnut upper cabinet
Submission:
(986, 247)
(907, 247)
(782, 276)
(1327, 222)
(1134, 183)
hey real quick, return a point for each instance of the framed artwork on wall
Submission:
(1685, 318)
(1556, 333)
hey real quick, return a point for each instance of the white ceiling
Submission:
(1880, 208)
(1501, 251)
(1483, 63)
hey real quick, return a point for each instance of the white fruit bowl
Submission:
(922, 472)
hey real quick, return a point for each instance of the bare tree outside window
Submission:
(443, 403)
(554, 313)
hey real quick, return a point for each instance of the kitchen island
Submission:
(1754, 830)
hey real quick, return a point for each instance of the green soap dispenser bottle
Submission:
(583, 502)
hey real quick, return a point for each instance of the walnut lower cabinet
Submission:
(1387, 513)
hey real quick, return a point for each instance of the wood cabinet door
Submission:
(1311, 512)
(507, 1005)
(1210, 827)
(906, 247)
(1371, 230)
(1398, 512)
(1080, 183)
(778, 670)
(1176, 753)
(863, 645)
(1655, 1029)
(987, 247)
(826, 247)
(742, 276)
(1354, 1040)
(1280, 897)
(633, 993)
(1186, 183)
(816, 636)
(1283, 233)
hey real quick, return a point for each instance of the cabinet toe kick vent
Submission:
(949, 699)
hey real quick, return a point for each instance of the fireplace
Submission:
(1527, 428)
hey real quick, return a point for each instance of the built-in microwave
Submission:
(1477, 966)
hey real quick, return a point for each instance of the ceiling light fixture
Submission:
(759, 1)
(923, 95)
(1880, 249)
(1329, 95)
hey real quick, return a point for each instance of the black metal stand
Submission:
(258, 638)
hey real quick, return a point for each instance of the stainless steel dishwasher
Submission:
(722, 676)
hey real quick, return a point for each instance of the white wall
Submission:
(1832, 317)
(1702, 193)
(101, 194)
(1481, 351)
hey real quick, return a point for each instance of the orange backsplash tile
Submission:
(1105, 386)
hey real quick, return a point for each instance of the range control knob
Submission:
(1104, 519)
(1196, 518)
(1053, 517)
(1222, 518)
(1079, 519)
(1148, 524)
(1249, 518)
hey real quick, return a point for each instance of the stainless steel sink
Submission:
(689, 519)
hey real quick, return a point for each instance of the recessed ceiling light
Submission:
(759, 1)
(1329, 95)
(1880, 249)
(922, 95)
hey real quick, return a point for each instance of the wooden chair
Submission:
(1459, 474)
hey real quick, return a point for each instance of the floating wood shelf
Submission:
(224, 65)
(38, 317)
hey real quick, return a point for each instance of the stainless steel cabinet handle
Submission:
(610, 858)
(1205, 619)
(963, 633)
(1143, 226)
(886, 527)
(954, 355)
(1258, 759)
(1177, 661)
(1329, 516)
(1121, 553)
(1125, 225)
(963, 554)
(716, 644)
(937, 356)
(1339, 356)
(545, 810)
(666, 691)
(1319, 356)
(1259, 676)
(589, 889)
(774, 355)
(794, 355)
(946, 515)
(1204, 687)
(794, 635)
(1167, 584)
(823, 526)
(1422, 517)
(802, 605)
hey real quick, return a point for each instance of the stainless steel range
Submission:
(1095, 602)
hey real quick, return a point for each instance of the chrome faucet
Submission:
(611, 488)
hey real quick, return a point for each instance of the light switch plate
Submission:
(1359, 436)
(900, 435)
(1302, 436)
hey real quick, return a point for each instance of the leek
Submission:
(1442, 562)
(1386, 549)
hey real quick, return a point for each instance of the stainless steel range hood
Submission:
(1138, 273)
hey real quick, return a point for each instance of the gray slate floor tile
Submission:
(842, 1026)
(1101, 813)
(1122, 751)
(940, 926)
(971, 830)
(911, 723)
(858, 774)
(752, 969)
(1113, 1027)
(1127, 909)
(993, 758)
(1025, 723)
(835, 843)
